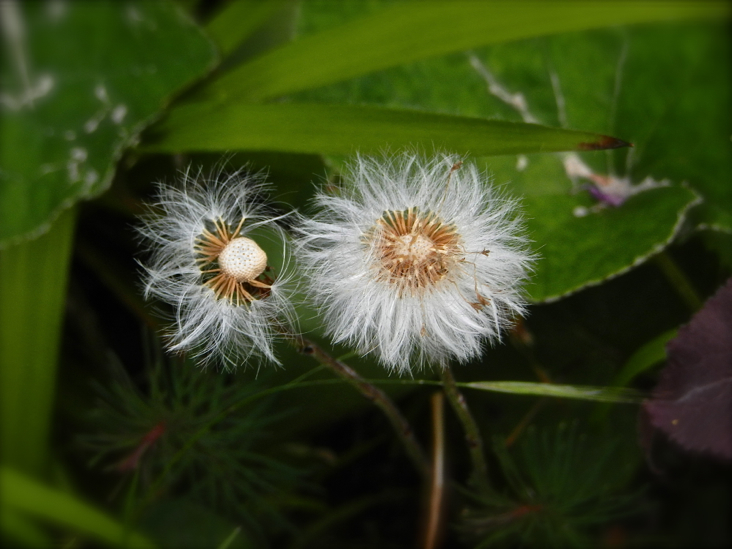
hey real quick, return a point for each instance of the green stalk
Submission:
(678, 280)
(472, 432)
(33, 277)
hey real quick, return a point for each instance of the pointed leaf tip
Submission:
(605, 142)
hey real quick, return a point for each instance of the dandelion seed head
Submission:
(206, 262)
(416, 260)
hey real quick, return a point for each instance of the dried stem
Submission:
(372, 393)
(472, 433)
(435, 512)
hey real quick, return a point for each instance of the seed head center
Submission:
(242, 259)
(414, 248)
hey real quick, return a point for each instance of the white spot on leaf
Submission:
(522, 162)
(90, 178)
(101, 93)
(56, 9)
(79, 154)
(118, 113)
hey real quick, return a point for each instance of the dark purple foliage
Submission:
(692, 402)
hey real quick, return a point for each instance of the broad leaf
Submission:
(80, 80)
(692, 402)
(577, 251)
(583, 80)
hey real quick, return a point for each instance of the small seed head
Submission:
(242, 259)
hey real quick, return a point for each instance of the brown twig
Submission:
(435, 512)
(372, 393)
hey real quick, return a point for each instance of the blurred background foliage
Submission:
(107, 442)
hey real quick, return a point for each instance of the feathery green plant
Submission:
(559, 483)
(230, 468)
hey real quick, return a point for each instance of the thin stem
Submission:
(519, 429)
(472, 433)
(435, 513)
(678, 280)
(372, 393)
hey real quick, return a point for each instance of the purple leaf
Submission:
(692, 402)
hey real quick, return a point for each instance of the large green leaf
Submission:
(576, 251)
(681, 75)
(594, 76)
(416, 30)
(80, 80)
(638, 82)
(346, 129)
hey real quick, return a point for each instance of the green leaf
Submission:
(33, 278)
(410, 31)
(187, 524)
(80, 80)
(21, 494)
(14, 526)
(629, 81)
(687, 67)
(644, 358)
(346, 129)
(237, 20)
(581, 392)
(579, 251)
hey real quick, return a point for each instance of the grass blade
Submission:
(581, 392)
(19, 493)
(33, 279)
(238, 20)
(416, 30)
(345, 129)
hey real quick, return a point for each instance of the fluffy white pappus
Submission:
(208, 322)
(417, 260)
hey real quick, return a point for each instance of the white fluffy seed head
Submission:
(189, 222)
(417, 260)
(243, 259)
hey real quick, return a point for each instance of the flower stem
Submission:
(436, 509)
(678, 280)
(472, 433)
(372, 393)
